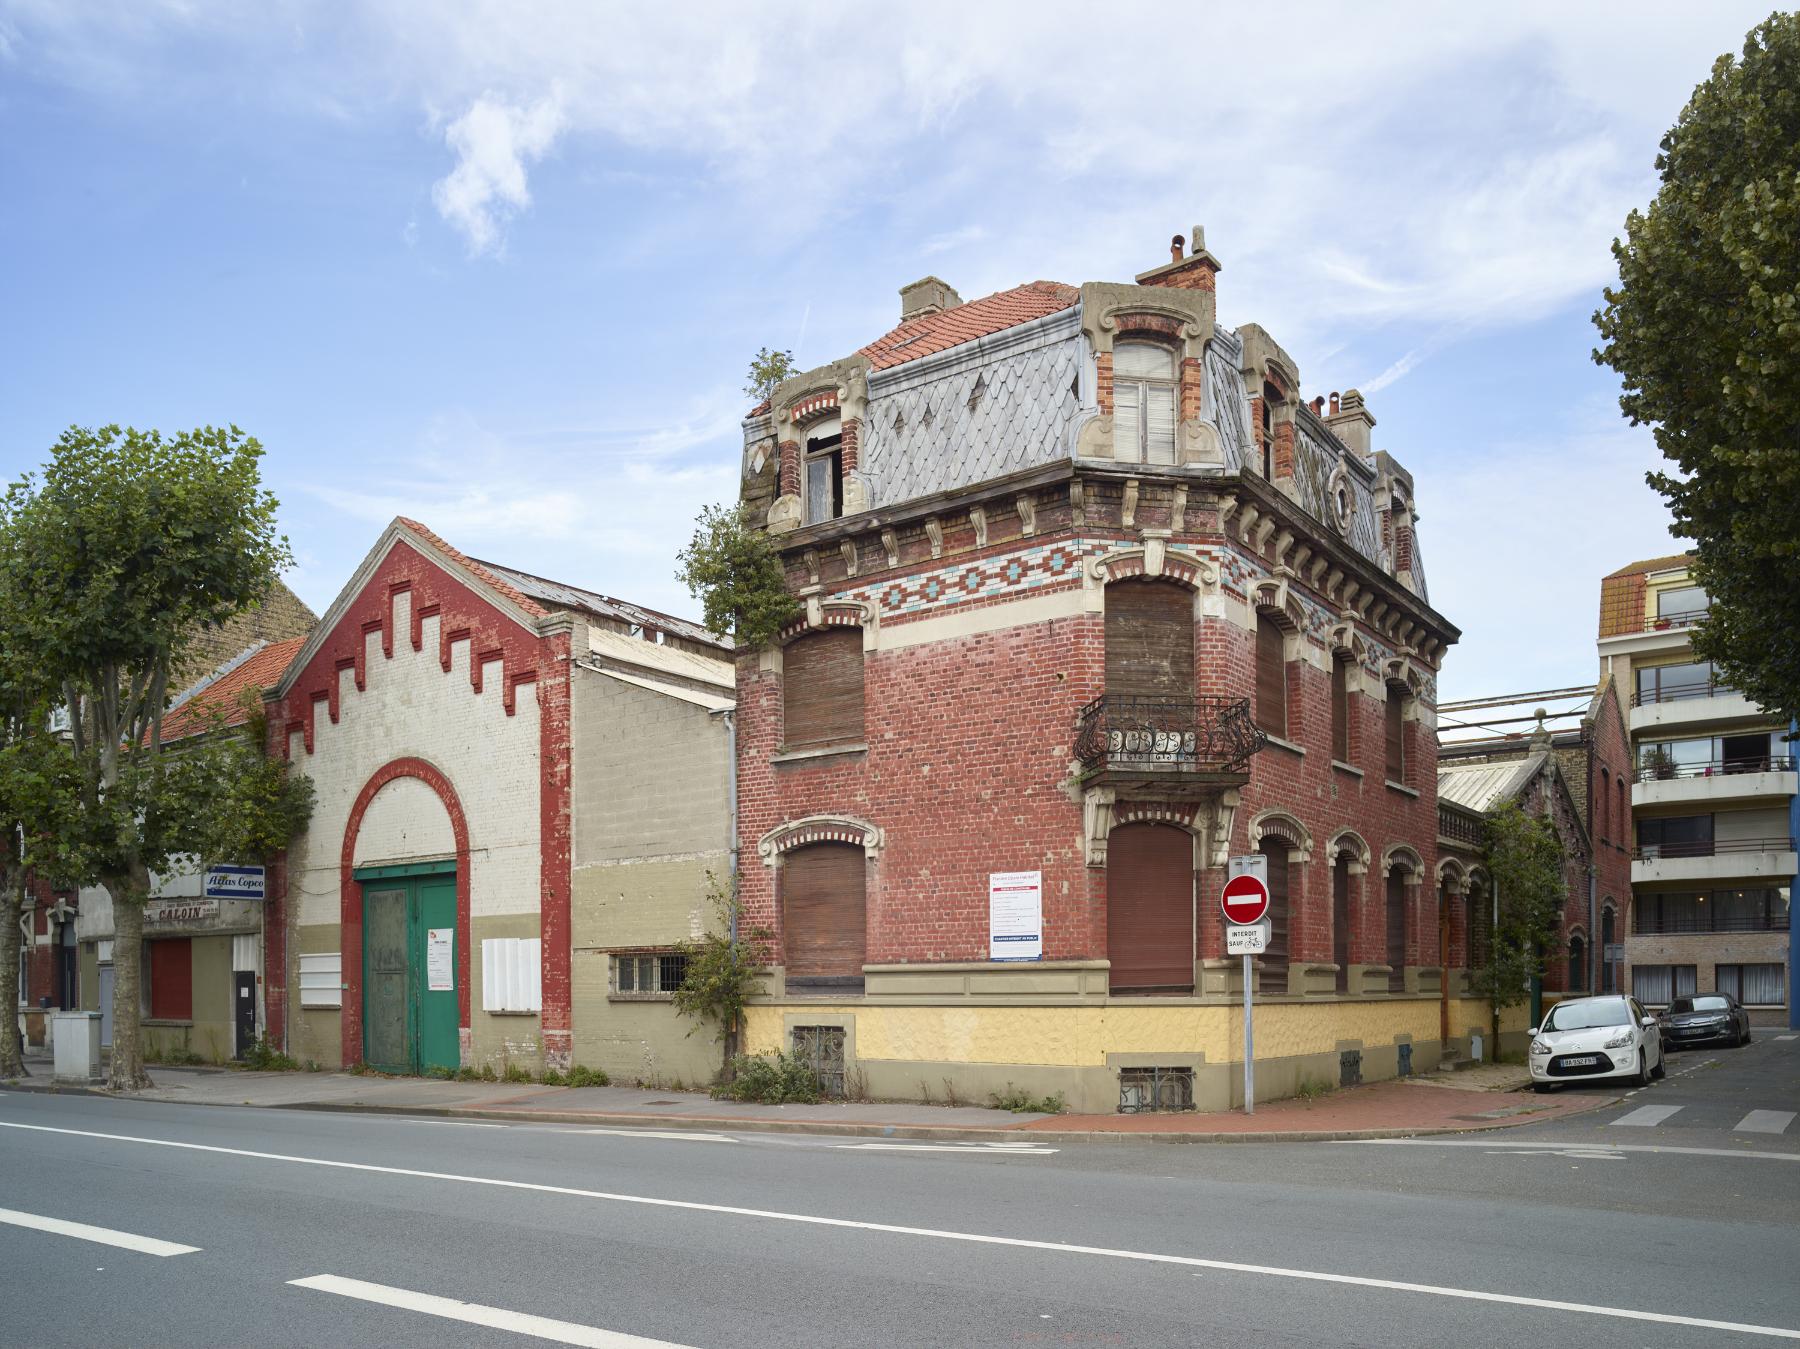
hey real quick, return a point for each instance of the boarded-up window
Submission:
(823, 915)
(1275, 959)
(1340, 920)
(1150, 909)
(1149, 640)
(1396, 929)
(1271, 677)
(1340, 709)
(171, 968)
(822, 689)
(322, 980)
(511, 974)
(1396, 733)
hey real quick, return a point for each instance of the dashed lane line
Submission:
(477, 1314)
(1644, 1117)
(942, 1234)
(1491, 1144)
(105, 1236)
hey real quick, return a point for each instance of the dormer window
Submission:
(1143, 403)
(1271, 398)
(823, 467)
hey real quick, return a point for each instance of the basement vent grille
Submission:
(1405, 1069)
(1350, 1068)
(1142, 1090)
(821, 1048)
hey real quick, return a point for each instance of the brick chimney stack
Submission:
(1194, 272)
(1352, 421)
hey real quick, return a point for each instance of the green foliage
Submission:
(732, 568)
(1022, 1102)
(767, 369)
(1312, 1088)
(776, 1080)
(441, 1072)
(553, 1077)
(516, 1072)
(587, 1077)
(1523, 856)
(1704, 331)
(724, 966)
(265, 1057)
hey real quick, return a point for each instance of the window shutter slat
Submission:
(1149, 908)
(1396, 735)
(1128, 441)
(1149, 640)
(1271, 677)
(1276, 957)
(822, 689)
(1396, 930)
(1159, 424)
(824, 913)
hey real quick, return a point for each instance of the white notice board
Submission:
(440, 959)
(1016, 915)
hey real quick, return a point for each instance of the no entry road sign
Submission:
(1245, 900)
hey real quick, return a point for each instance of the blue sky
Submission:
(501, 266)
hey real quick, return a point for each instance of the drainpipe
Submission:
(1793, 833)
(729, 717)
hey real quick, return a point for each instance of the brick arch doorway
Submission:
(1150, 908)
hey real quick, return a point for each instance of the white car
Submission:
(1587, 1038)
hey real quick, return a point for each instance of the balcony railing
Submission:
(1757, 763)
(1685, 619)
(1197, 735)
(1709, 847)
(1460, 828)
(1677, 693)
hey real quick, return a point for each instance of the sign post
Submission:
(1245, 902)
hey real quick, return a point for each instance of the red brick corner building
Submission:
(1091, 594)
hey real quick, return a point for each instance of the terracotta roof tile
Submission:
(262, 668)
(468, 563)
(978, 318)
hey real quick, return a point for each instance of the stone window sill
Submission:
(640, 997)
(822, 752)
(164, 1022)
(1281, 743)
(1403, 789)
(1351, 769)
(509, 1011)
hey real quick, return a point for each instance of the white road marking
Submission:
(676, 1135)
(1545, 1143)
(1581, 1154)
(1788, 1037)
(105, 1236)
(977, 1149)
(1764, 1122)
(1645, 1116)
(934, 1233)
(475, 1314)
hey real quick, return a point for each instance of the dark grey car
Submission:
(1705, 1018)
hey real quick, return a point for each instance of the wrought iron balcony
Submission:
(1123, 733)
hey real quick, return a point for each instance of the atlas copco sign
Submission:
(223, 882)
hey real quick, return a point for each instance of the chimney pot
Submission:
(1318, 405)
(1335, 406)
(1199, 239)
(1175, 246)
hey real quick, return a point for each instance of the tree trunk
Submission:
(127, 1072)
(12, 904)
(729, 1040)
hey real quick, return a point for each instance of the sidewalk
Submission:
(1441, 1103)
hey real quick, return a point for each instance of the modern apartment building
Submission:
(1711, 800)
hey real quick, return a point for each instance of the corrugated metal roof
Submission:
(1485, 785)
(557, 595)
(710, 702)
(670, 660)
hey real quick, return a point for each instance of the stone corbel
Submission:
(1128, 516)
(1247, 516)
(1027, 509)
(978, 518)
(1224, 815)
(1077, 504)
(848, 551)
(890, 544)
(810, 560)
(1284, 540)
(934, 535)
(1097, 816)
(1178, 508)
(1263, 531)
(1156, 542)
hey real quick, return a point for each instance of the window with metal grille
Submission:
(1711, 911)
(822, 1048)
(1142, 1090)
(648, 974)
(1144, 403)
(1752, 985)
(822, 689)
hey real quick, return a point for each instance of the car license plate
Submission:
(1583, 1061)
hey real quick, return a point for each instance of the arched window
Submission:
(1150, 908)
(1271, 399)
(1340, 919)
(1144, 403)
(1623, 837)
(1396, 733)
(1603, 804)
(1340, 706)
(824, 915)
(822, 689)
(1480, 927)
(1271, 676)
(1398, 875)
(1608, 975)
(1577, 964)
(823, 466)
(1275, 959)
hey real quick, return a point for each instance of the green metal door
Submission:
(410, 1014)
(437, 1020)
(387, 993)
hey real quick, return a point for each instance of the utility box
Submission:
(77, 1050)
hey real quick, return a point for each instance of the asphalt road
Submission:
(318, 1228)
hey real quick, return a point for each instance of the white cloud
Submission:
(1399, 370)
(493, 141)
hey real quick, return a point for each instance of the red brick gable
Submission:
(978, 318)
